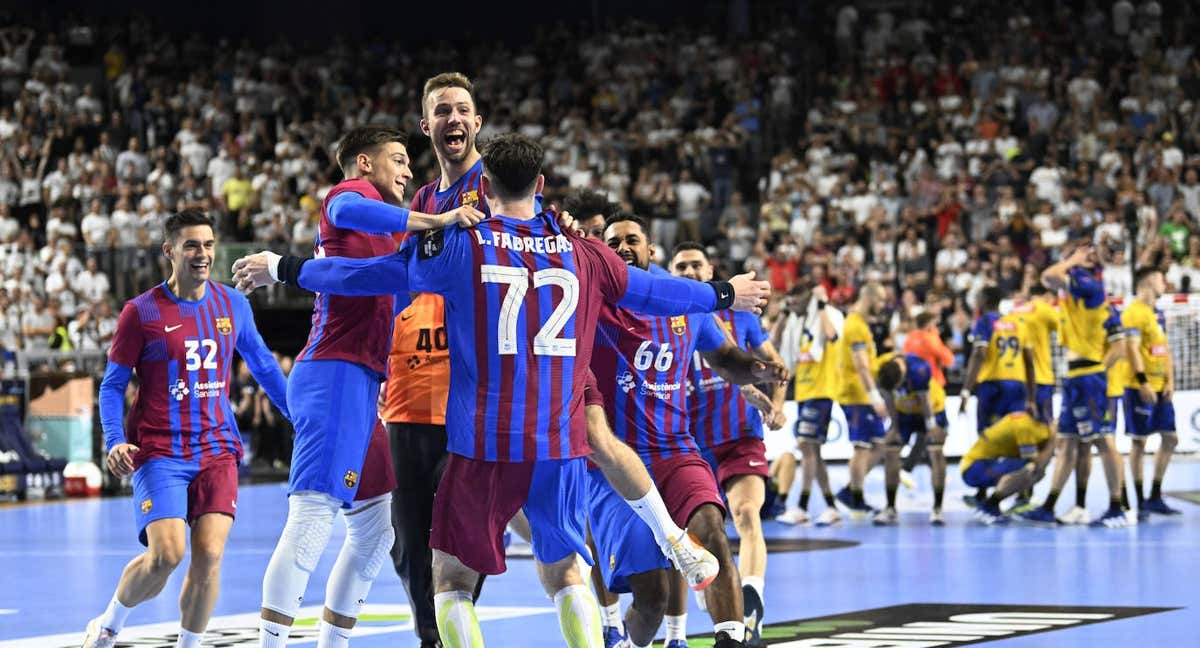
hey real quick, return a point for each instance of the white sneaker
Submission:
(698, 566)
(828, 517)
(906, 478)
(886, 517)
(98, 637)
(793, 516)
(1078, 516)
(1131, 517)
(936, 518)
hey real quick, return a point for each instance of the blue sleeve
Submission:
(381, 275)
(112, 403)
(1086, 287)
(666, 295)
(753, 330)
(258, 357)
(711, 335)
(357, 212)
(438, 259)
(981, 331)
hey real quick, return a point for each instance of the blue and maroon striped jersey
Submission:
(522, 300)
(641, 365)
(716, 409)
(465, 191)
(182, 352)
(354, 329)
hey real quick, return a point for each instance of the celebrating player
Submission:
(1011, 455)
(729, 431)
(920, 404)
(523, 449)
(1148, 406)
(860, 399)
(182, 443)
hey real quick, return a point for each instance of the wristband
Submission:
(289, 269)
(1141, 377)
(725, 294)
(273, 266)
(821, 305)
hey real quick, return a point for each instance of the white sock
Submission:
(579, 617)
(114, 615)
(735, 629)
(188, 639)
(653, 511)
(612, 617)
(756, 583)
(676, 627)
(333, 636)
(272, 635)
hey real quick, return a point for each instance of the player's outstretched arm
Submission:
(354, 211)
(259, 359)
(382, 275)
(664, 295)
(740, 367)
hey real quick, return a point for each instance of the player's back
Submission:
(1007, 437)
(353, 329)
(856, 336)
(521, 301)
(1005, 338)
(182, 352)
(717, 410)
(1086, 323)
(1040, 320)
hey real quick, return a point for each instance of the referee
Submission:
(415, 412)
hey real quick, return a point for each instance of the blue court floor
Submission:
(59, 563)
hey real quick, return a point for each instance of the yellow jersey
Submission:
(1040, 319)
(1015, 435)
(817, 378)
(1003, 339)
(856, 336)
(1144, 322)
(918, 379)
(1088, 323)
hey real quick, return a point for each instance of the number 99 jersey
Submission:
(1004, 338)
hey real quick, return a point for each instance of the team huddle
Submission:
(607, 407)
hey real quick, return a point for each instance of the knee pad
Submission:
(309, 523)
(370, 535)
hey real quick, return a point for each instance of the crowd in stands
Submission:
(937, 149)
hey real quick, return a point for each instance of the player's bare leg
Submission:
(860, 464)
(1162, 459)
(891, 481)
(578, 615)
(746, 494)
(723, 599)
(937, 470)
(1111, 461)
(143, 578)
(203, 580)
(520, 526)
(628, 476)
(1065, 456)
(1137, 458)
(783, 473)
(650, 604)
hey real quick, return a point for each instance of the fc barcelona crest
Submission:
(469, 197)
(351, 479)
(224, 326)
(679, 324)
(147, 504)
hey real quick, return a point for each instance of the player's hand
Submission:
(1080, 255)
(749, 295)
(465, 216)
(776, 419)
(820, 293)
(568, 223)
(1146, 394)
(120, 459)
(769, 372)
(254, 271)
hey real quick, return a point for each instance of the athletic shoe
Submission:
(1113, 518)
(845, 498)
(1077, 515)
(723, 640)
(886, 517)
(906, 479)
(98, 637)
(1020, 506)
(753, 606)
(828, 517)
(971, 501)
(772, 507)
(614, 638)
(793, 516)
(1157, 505)
(1038, 515)
(990, 515)
(698, 566)
(937, 518)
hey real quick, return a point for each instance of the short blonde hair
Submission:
(446, 80)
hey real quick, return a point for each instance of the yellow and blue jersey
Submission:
(1014, 436)
(918, 381)
(1088, 323)
(1040, 319)
(1146, 323)
(1003, 338)
(817, 378)
(856, 336)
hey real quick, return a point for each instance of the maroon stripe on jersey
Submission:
(481, 353)
(709, 428)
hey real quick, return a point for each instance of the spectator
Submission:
(692, 199)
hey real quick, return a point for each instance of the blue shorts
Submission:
(165, 487)
(997, 399)
(1084, 407)
(865, 426)
(1045, 404)
(624, 544)
(1142, 419)
(985, 473)
(1113, 409)
(910, 424)
(813, 420)
(333, 408)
